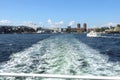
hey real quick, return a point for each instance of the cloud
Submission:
(110, 24)
(49, 21)
(59, 23)
(4, 22)
(30, 24)
(55, 24)
(71, 23)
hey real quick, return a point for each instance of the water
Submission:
(12, 43)
(72, 54)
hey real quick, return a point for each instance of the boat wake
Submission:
(110, 37)
(61, 54)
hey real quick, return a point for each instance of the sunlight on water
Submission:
(61, 54)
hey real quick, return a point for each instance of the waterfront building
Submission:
(85, 27)
(78, 25)
(78, 29)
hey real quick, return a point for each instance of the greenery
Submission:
(118, 25)
(100, 29)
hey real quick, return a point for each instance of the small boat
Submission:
(93, 34)
(40, 31)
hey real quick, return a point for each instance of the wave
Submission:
(114, 37)
(61, 54)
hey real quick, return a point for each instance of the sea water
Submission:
(69, 54)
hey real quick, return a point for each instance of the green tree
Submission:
(118, 25)
(97, 30)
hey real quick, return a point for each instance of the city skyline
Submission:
(60, 13)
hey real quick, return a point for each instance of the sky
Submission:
(60, 13)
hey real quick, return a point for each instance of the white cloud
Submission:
(30, 24)
(4, 22)
(71, 23)
(110, 24)
(54, 24)
(49, 21)
(61, 22)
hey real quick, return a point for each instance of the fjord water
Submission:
(71, 54)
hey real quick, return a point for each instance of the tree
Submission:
(97, 30)
(118, 25)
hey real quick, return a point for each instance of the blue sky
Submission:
(60, 13)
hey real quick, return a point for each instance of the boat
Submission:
(40, 31)
(93, 34)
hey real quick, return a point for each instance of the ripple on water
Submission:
(61, 54)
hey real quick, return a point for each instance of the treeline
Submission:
(16, 29)
(111, 29)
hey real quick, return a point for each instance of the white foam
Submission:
(61, 55)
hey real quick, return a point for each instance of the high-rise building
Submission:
(79, 29)
(69, 29)
(85, 27)
(78, 25)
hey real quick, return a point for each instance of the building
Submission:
(78, 25)
(85, 27)
(78, 30)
